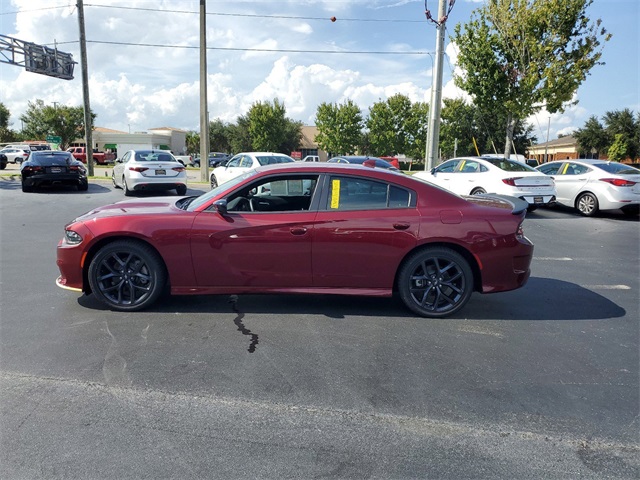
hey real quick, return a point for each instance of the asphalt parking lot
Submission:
(538, 382)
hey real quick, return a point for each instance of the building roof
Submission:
(107, 130)
(568, 140)
(168, 128)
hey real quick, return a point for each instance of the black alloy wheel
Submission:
(435, 282)
(587, 204)
(127, 275)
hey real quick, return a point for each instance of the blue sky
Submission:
(260, 50)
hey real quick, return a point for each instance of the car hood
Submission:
(151, 206)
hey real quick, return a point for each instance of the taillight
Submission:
(178, 169)
(138, 169)
(618, 182)
(511, 181)
(33, 169)
(77, 168)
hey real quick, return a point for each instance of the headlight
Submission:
(72, 238)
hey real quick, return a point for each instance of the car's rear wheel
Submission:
(587, 204)
(127, 192)
(478, 191)
(181, 190)
(435, 282)
(26, 188)
(83, 186)
(113, 179)
(127, 275)
(214, 181)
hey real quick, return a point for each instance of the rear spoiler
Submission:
(517, 204)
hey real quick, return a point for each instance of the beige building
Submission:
(161, 138)
(558, 149)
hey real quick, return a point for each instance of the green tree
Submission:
(619, 150)
(592, 138)
(192, 140)
(219, 136)
(270, 130)
(458, 126)
(526, 54)
(66, 122)
(623, 122)
(239, 137)
(416, 129)
(387, 124)
(339, 127)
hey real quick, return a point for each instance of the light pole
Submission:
(433, 132)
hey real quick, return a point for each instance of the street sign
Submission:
(54, 139)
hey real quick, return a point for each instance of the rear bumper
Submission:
(54, 179)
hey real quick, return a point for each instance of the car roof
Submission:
(326, 167)
(357, 157)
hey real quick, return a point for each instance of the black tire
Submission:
(181, 190)
(478, 191)
(127, 192)
(3, 166)
(214, 181)
(587, 204)
(435, 282)
(27, 188)
(83, 186)
(113, 179)
(127, 275)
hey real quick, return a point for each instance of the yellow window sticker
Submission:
(335, 193)
(565, 169)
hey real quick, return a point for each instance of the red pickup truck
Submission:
(101, 158)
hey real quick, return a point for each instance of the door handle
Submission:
(400, 226)
(298, 231)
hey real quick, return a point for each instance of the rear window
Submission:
(40, 155)
(509, 165)
(273, 159)
(617, 168)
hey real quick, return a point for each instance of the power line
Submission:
(288, 17)
(268, 50)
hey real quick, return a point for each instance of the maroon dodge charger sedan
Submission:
(302, 228)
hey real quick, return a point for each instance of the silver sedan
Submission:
(594, 185)
(139, 170)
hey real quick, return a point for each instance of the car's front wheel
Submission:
(435, 282)
(127, 275)
(587, 204)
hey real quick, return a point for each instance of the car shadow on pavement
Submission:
(540, 299)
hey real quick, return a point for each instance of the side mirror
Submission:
(433, 171)
(221, 206)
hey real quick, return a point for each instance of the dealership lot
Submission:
(538, 382)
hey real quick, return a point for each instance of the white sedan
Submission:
(243, 162)
(139, 170)
(594, 185)
(475, 176)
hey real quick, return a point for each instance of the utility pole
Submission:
(433, 128)
(546, 145)
(204, 114)
(88, 127)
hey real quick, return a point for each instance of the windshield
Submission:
(618, 168)
(509, 165)
(205, 197)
